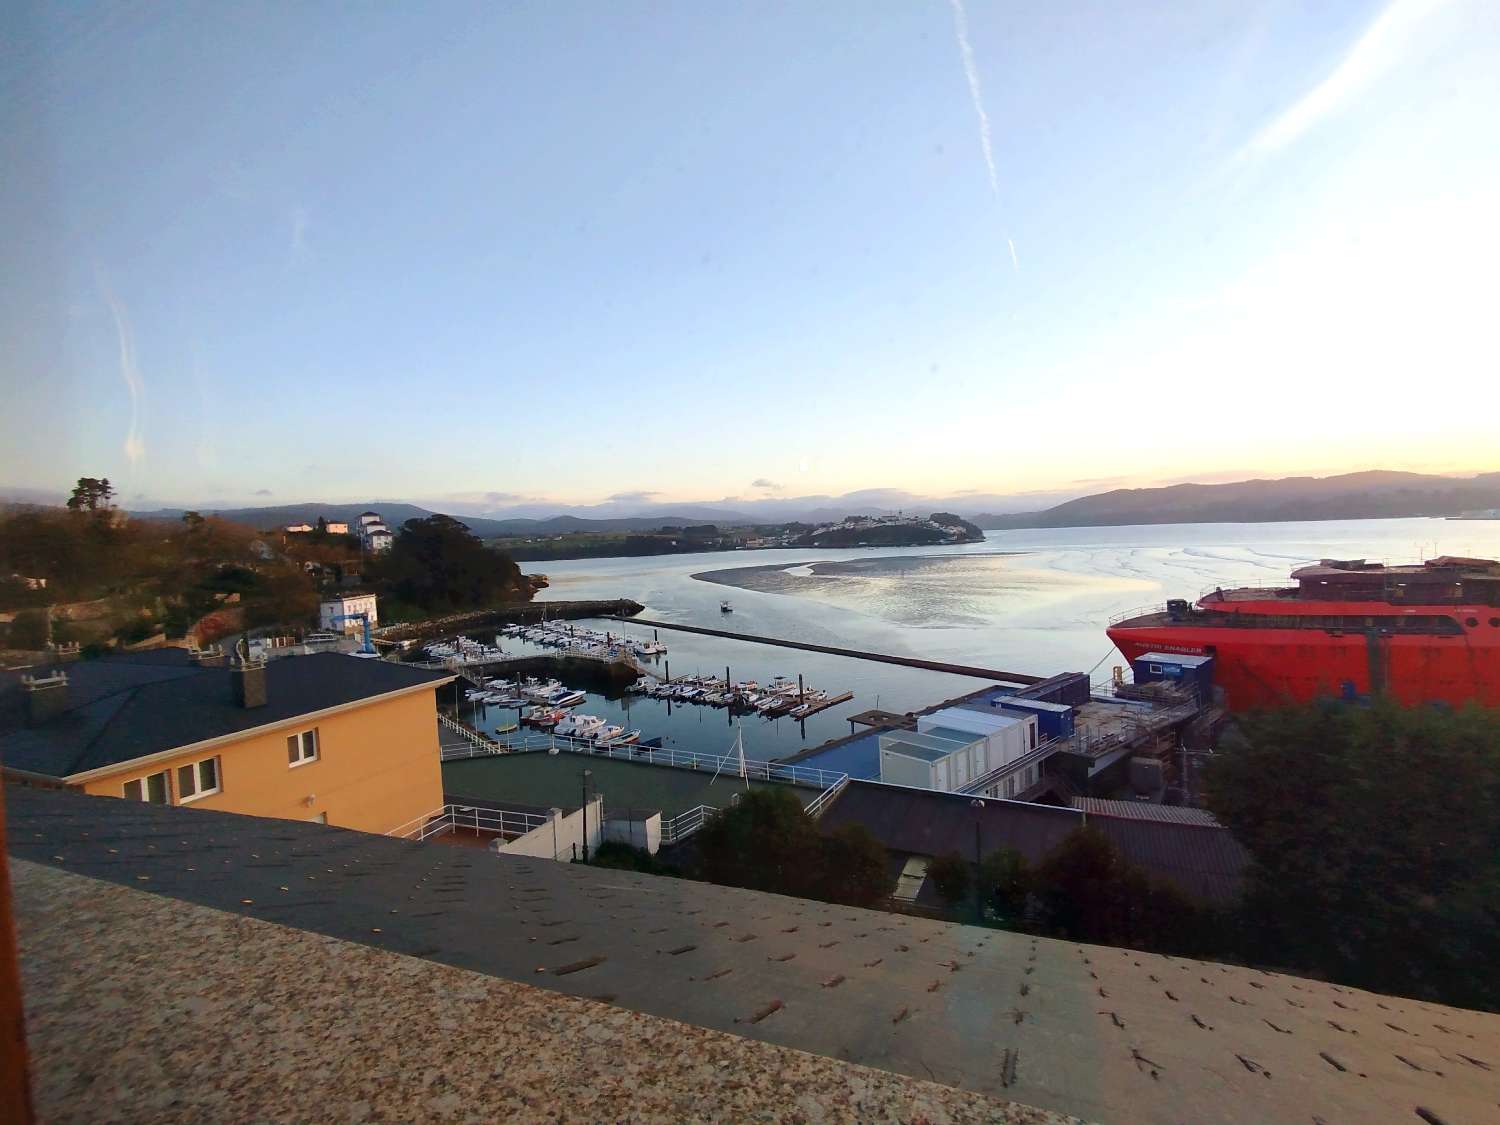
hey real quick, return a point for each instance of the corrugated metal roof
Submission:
(1203, 862)
(1143, 810)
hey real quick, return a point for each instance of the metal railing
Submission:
(446, 818)
(822, 800)
(478, 740)
(1000, 773)
(684, 824)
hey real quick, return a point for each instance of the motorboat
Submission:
(578, 726)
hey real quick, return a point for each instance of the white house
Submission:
(373, 533)
(337, 528)
(340, 614)
(298, 528)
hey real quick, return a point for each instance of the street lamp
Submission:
(586, 775)
(977, 804)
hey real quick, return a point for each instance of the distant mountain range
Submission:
(1366, 495)
(1353, 496)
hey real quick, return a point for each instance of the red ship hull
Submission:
(1259, 666)
(1263, 667)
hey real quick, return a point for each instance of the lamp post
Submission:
(977, 804)
(586, 775)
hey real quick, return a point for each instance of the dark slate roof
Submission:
(927, 822)
(1204, 862)
(127, 707)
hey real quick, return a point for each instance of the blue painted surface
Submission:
(859, 758)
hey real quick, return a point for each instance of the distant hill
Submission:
(395, 514)
(281, 515)
(1376, 494)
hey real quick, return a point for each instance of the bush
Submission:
(950, 877)
(1006, 880)
(853, 868)
(29, 630)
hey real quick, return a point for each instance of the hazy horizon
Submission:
(584, 254)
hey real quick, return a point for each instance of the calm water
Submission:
(1029, 601)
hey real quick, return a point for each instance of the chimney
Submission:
(210, 657)
(46, 696)
(249, 678)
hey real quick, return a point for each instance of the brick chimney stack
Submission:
(249, 679)
(46, 696)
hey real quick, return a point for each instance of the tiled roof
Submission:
(123, 708)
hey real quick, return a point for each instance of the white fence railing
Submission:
(445, 819)
(684, 824)
(821, 801)
(476, 740)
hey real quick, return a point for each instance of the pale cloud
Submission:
(262, 492)
(135, 436)
(1381, 46)
(768, 485)
(630, 497)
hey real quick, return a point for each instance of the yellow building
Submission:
(329, 738)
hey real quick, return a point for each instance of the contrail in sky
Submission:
(135, 437)
(976, 95)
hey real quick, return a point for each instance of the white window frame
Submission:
(144, 798)
(199, 790)
(303, 740)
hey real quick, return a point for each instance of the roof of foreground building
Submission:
(1105, 1034)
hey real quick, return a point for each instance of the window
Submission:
(197, 779)
(302, 748)
(1154, 668)
(154, 789)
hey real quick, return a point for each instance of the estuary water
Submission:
(1033, 601)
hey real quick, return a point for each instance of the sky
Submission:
(566, 251)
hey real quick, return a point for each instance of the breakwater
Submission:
(857, 654)
(621, 609)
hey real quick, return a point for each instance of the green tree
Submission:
(854, 869)
(91, 495)
(1084, 889)
(1006, 880)
(766, 842)
(950, 877)
(1376, 838)
(29, 630)
(436, 563)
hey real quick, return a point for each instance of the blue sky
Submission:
(571, 250)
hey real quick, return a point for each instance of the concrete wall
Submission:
(562, 838)
(377, 768)
(637, 833)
